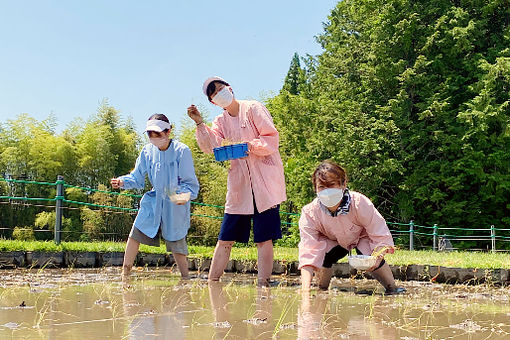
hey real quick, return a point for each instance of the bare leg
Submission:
(324, 277)
(265, 262)
(220, 259)
(385, 278)
(182, 264)
(129, 256)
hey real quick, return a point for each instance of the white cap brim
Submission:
(157, 125)
(210, 80)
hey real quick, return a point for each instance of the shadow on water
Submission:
(77, 304)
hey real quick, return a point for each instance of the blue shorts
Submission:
(266, 226)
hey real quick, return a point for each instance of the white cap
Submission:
(157, 125)
(210, 80)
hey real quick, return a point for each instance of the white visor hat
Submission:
(210, 80)
(157, 125)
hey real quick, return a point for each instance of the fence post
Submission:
(493, 238)
(411, 235)
(58, 208)
(434, 238)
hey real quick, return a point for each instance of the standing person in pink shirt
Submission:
(255, 184)
(335, 222)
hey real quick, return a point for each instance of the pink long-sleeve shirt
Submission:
(262, 171)
(362, 227)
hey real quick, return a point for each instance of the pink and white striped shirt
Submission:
(258, 176)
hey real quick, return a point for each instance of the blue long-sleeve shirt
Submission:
(170, 170)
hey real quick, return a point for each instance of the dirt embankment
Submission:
(70, 259)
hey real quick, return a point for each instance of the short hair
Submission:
(160, 116)
(329, 173)
(211, 87)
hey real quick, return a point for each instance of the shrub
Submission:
(23, 234)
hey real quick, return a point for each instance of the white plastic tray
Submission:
(362, 262)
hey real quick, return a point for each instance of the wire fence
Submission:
(411, 235)
(60, 203)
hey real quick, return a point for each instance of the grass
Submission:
(401, 257)
(457, 259)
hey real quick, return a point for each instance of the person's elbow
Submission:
(205, 148)
(194, 194)
(134, 184)
(193, 188)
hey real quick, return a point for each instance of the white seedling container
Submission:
(362, 262)
(180, 198)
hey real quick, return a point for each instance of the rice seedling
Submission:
(41, 312)
(429, 309)
(283, 314)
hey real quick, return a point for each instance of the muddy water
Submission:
(93, 304)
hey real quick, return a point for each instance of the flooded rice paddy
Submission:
(94, 304)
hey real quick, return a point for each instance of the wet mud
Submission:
(155, 303)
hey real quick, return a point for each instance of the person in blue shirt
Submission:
(163, 210)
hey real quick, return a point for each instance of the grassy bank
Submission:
(401, 257)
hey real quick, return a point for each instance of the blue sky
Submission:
(64, 57)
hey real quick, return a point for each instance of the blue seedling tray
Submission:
(228, 152)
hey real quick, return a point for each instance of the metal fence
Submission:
(428, 237)
(443, 238)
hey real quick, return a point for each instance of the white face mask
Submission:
(330, 197)
(223, 98)
(160, 142)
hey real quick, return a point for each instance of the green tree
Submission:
(101, 223)
(412, 98)
(86, 153)
(296, 78)
(212, 177)
(46, 221)
(124, 142)
(107, 146)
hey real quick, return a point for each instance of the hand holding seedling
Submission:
(377, 263)
(379, 253)
(194, 114)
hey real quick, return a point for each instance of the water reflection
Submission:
(167, 323)
(258, 325)
(370, 329)
(262, 320)
(318, 319)
(219, 304)
(311, 314)
(158, 305)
